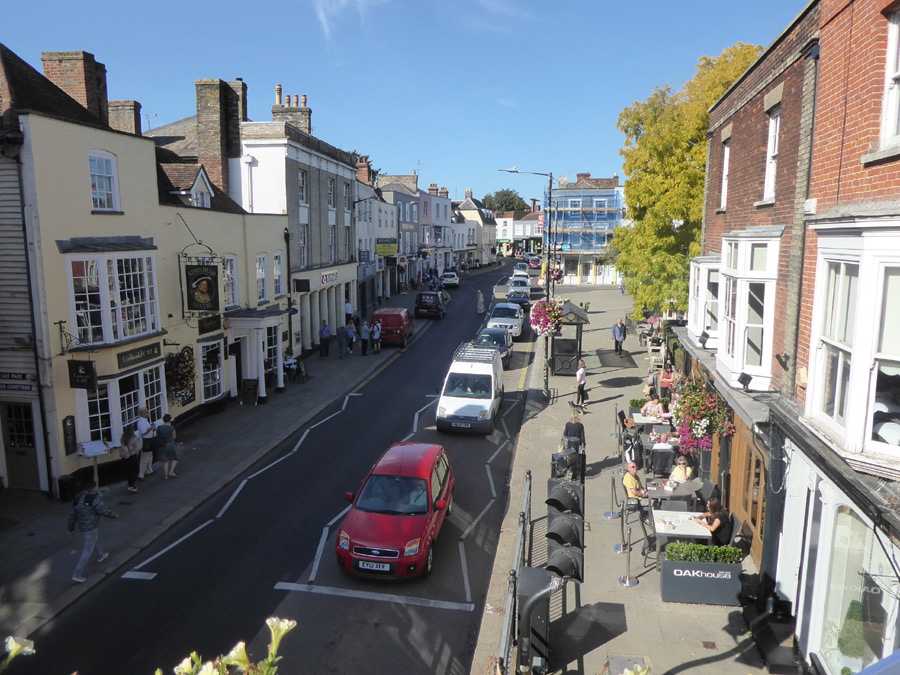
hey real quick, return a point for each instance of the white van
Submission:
(473, 390)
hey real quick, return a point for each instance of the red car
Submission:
(398, 513)
(534, 263)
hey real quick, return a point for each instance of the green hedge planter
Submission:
(701, 575)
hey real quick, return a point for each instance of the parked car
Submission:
(530, 255)
(534, 263)
(396, 324)
(519, 297)
(450, 280)
(430, 303)
(509, 316)
(499, 339)
(397, 514)
(519, 284)
(521, 266)
(521, 274)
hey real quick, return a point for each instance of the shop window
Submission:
(211, 359)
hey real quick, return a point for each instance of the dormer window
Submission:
(200, 200)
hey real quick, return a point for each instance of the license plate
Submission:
(377, 567)
(462, 425)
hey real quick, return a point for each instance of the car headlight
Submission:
(344, 540)
(441, 411)
(411, 548)
(483, 414)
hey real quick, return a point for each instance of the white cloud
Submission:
(506, 102)
(328, 11)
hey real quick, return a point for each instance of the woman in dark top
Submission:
(717, 521)
(575, 429)
(167, 451)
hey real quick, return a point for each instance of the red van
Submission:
(396, 324)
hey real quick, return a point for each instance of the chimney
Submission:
(364, 170)
(125, 116)
(297, 115)
(278, 95)
(468, 193)
(443, 193)
(432, 189)
(81, 77)
(533, 205)
(221, 107)
(582, 176)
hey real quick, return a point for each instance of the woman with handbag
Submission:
(580, 381)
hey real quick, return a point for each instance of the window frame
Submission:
(890, 119)
(346, 196)
(331, 244)
(772, 144)
(211, 381)
(262, 278)
(302, 187)
(303, 245)
(726, 158)
(278, 274)
(112, 193)
(230, 281)
(331, 193)
(105, 403)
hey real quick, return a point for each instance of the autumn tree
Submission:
(504, 200)
(665, 161)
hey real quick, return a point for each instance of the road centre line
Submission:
(347, 398)
(300, 442)
(497, 452)
(465, 569)
(322, 539)
(269, 466)
(338, 516)
(509, 409)
(142, 576)
(231, 498)
(487, 468)
(334, 414)
(380, 597)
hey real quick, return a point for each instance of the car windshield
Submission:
(504, 313)
(518, 281)
(394, 495)
(491, 340)
(448, 275)
(468, 386)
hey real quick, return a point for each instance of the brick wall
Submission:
(81, 77)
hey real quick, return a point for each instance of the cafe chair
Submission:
(632, 505)
(735, 530)
(661, 462)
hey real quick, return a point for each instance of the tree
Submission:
(504, 200)
(665, 161)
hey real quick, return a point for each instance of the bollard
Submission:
(628, 581)
(611, 514)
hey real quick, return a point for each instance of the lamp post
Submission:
(549, 283)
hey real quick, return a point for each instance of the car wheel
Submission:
(429, 562)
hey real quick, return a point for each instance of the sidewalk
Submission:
(37, 555)
(600, 621)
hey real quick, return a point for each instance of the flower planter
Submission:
(700, 583)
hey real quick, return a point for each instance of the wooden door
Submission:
(748, 488)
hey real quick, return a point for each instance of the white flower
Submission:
(278, 628)
(237, 657)
(16, 646)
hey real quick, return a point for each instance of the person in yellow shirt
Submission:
(682, 472)
(635, 490)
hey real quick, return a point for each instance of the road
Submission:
(264, 546)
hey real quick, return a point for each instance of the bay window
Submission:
(211, 360)
(114, 404)
(703, 307)
(112, 297)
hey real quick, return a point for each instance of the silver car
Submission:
(508, 316)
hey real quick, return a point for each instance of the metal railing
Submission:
(509, 622)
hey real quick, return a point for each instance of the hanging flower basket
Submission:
(546, 317)
(556, 274)
(698, 414)
(180, 375)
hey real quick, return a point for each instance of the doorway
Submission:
(21, 448)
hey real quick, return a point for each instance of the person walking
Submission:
(348, 312)
(618, 333)
(351, 336)
(574, 429)
(168, 453)
(86, 511)
(479, 301)
(376, 337)
(146, 432)
(130, 452)
(342, 341)
(365, 334)
(580, 381)
(324, 339)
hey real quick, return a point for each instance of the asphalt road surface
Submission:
(264, 546)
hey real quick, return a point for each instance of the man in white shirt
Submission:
(145, 431)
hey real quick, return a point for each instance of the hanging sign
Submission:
(201, 285)
(82, 375)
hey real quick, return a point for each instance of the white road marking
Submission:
(475, 522)
(334, 414)
(269, 466)
(232, 498)
(380, 597)
(312, 575)
(465, 569)
(338, 516)
(300, 442)
(502, 445)
(172, 545)
(143, 576)
(347, 398)
(487, 468)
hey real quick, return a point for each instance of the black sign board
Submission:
(249, 391)
(202, 285)
(82, 375)
(70, 443)
(301, 285)
(133, 357)
(208, 324)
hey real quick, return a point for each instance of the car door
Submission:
(440, 489)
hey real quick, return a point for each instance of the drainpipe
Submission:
(287, 248)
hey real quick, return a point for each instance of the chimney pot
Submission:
(278, 94)
(302, 101)
(296, 100)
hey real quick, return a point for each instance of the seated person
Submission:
(717, 521)
(652, 408)
(662, 443)
(635, 489)
(418, 497)
(682, 472)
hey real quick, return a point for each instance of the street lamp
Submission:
(547, 225)
(549, 283)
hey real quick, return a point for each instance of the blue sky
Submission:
(453, 89)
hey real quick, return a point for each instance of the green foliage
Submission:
(665, 161)
(850, 641)
(687, 552)
(504, 200)
(609, 255)
(636, 403)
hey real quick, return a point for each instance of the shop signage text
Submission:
(138, 355)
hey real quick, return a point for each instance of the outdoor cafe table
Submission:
(676, 525)
(645, 419)
(684, 491)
